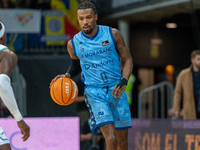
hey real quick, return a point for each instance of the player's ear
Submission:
(96, 17)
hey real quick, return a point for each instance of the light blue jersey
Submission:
(98, 57)
(101, 72)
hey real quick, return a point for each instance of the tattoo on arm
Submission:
(122, 48)
(70, 50)
(69, 47)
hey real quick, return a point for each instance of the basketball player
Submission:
(96, 50)
(8, 61)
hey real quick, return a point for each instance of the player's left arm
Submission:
(124, 53)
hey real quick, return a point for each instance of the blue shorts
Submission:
(105, 108)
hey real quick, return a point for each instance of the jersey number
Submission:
(104, 77)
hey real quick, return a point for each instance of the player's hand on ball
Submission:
(117, 91)
(57, 77)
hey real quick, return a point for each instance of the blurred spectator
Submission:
(187, 90)
(7, 4)
(129, 88)
(91, 140)
(172, 114)
(21, 4)
(40, 4)
(15, 3)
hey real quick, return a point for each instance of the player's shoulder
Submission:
(3, 47)
(103, 27)
(117, 35)
(69, 44)
(115, 30)
(6, 52)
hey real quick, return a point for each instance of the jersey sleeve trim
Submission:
(2, 47)
(74, 49)
(110, 30)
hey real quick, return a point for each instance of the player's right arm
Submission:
(8, 61)
(74, 69)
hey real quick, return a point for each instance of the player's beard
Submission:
(88, 31)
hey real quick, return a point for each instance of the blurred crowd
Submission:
(29, 4)
(32, 4)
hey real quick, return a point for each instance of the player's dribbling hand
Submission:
(117, 91)
(54, 79)
(25, 129)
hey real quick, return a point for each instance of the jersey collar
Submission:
(91, 38)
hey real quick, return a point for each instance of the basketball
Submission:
(64, 91)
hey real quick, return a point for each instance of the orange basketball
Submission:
(64, 91)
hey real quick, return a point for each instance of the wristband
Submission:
(17, 115)
(122, 82)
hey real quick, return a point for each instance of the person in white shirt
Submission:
(8, 61)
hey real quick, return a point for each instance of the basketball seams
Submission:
(72, 90)
(62, 91)
(53, 92)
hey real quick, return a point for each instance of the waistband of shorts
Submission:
(104, 85)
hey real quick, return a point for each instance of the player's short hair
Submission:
(195, 52)
(88, 4)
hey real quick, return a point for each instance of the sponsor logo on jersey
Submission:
(105, 43)
(101, 64)
(100, 113)
(82, 49)
(98, 52)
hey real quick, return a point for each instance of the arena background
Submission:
(38, 33)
